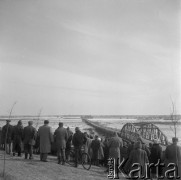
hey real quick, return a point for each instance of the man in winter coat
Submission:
(138, 155)
(17, 137)
(114, 144)
(95, 145)
(46, 139)
(173, 155)
(77, 140)
(7, 131)
(155, 157)
(29, 135)
(60, 141)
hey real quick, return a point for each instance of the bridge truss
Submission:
(147, 131)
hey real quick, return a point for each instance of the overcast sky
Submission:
(90, 56)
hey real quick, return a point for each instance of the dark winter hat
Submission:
(46, 121)
(8, 120)
(174, 139)
(20, 122)
(77, 129)
(60, 124)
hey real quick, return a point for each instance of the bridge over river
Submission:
(131, 132)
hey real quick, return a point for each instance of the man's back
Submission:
(28, 133)
(156, 152)
(18, 130)
(138, 156)
(44, 132)
(78, 138)
(61, 137)
(173, 153)
(46, 138)
(7, 130)
(115, 142)
(95, 145)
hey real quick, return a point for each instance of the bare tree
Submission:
(39, 114)
(4, 165)
(174, 119)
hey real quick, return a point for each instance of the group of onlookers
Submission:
(153, 156)
(14, 137)
(100, 150)
(17, 139)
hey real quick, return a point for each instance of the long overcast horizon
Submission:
(108, 57)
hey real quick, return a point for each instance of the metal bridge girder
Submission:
(148, 131)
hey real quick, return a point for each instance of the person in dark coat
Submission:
(46, 139)
(155, 157)
(60, 141)
(115, 144)
(17, 137)
(77, 140)
(95, 145)
(29, 137)
(138, 155)
(173, 155)
(7, 131)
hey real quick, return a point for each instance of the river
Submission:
(73, 122)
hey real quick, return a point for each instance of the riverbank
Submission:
(17, 168)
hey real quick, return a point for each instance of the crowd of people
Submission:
(153, 160)
(18, 139)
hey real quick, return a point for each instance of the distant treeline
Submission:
(139, 117)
